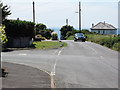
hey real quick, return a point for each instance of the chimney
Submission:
(92, 25)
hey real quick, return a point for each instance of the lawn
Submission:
(49, 44)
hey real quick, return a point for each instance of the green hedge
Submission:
(17, 28)
(109, 41)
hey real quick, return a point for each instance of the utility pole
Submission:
(33, 11)
(67, 22)
(80, 16)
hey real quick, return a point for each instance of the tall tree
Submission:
(5, 11)
(65, 29)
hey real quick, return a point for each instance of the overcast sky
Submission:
(53, 13)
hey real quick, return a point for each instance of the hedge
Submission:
(109, 41)
(17, 28)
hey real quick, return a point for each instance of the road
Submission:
(80, 65)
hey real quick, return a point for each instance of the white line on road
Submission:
(60, 51)
(90, 48)
(22, 54)
(54, 69)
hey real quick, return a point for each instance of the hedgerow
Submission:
(109, 41)
(17, 28)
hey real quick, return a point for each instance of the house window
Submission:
(103, 32)
(99, 32)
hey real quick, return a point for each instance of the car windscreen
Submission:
(79, 34)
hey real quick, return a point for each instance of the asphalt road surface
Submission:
(80, 65)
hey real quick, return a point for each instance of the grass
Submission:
(49, 44)
(110, 41)
(71, 37)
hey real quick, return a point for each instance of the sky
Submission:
(53, 13)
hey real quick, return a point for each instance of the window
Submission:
(98, 31)
(103, 32)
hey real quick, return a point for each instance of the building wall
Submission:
(105, 31)
(19, 42)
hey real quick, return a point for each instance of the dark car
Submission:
(80, 36)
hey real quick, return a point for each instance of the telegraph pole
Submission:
(33, 11)
(80, 16)
(67, 22)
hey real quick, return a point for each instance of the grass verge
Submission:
(110, 41)
(49, 44)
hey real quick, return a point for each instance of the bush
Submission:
(17, 28)
(116, 46)
(85, 31)
(54, 36)
(109, 41)
(66, 30)
(39, 37)
(3, 38)
(46, 33)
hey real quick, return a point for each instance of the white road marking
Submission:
(60, 51)
(22, 54)
(90, 48)
(54, 69)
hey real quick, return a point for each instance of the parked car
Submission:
(80, 36)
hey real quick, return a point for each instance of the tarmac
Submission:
(21, 76)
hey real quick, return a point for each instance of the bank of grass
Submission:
(49, 44)
(110, 41)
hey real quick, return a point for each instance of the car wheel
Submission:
(75, 40)
(83, 40)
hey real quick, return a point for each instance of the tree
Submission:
(5, 11)
(54, 36)
(85, 31)
(46, 33)
(40, 27)
(65, 29)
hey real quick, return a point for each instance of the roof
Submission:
(103, 26)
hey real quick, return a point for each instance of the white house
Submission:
(103, 28)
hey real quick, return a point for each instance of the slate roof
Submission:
(103, 26)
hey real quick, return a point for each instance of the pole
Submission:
(67, 22)
(33, 11)
(80, 16)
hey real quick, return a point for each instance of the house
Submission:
(103, 28)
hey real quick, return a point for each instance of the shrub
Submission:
(116, 46)
(39, 37)
(17, 28)
(109, 41)
(54, 36)
(46, 33)
(64, 31)
(3, 38)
